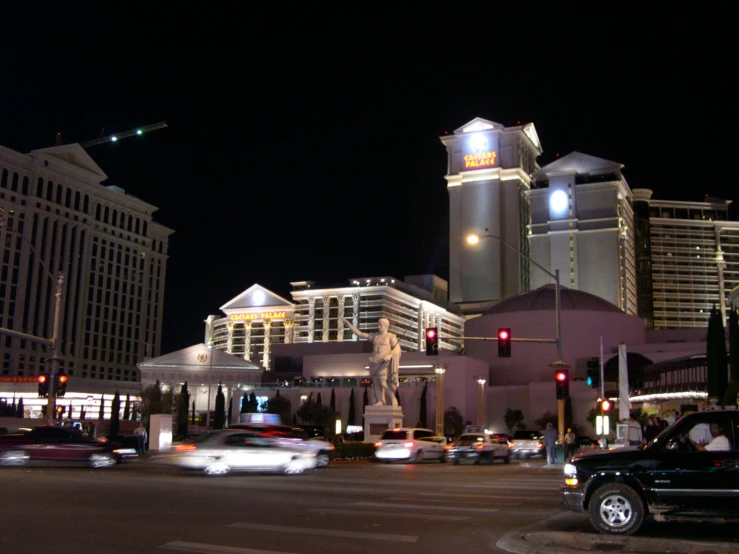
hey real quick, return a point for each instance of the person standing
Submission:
(635, 435)
(569, 444)
(651, 430)
(550, 441)
(140, 434)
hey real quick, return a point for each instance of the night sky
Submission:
(303, 144)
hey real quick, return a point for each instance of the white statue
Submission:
(384, 361)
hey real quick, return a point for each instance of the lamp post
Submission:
(210, 383)
(481, 401)
(440, 370)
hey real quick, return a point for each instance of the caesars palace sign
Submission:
(255, 316)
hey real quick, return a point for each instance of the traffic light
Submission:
(60, 384)
(504, 343)
(432, 342)
(60, 411)
(562, 380)
(594, 373)
(43, 385)
(605, 405)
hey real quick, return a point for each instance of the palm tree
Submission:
(219, 417)
(352, 410)
(127, 408)
(332, 404)
(115, 415)
(422, 415)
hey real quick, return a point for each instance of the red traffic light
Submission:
(62, 378)
(503, 334)
(561, 376)
(431, 333)
(606, 405)
(42, 378)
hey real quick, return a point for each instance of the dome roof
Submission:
(543, 298)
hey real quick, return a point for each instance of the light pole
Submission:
(481, 401)
(210, 383)
(53, 343)
(440, 370)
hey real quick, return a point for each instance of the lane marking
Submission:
(325, 532)
(204, 548)
(364, 513)
(422, 507)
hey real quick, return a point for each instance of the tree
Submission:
(19, 409)
(115, 415)
(281, 406)
(332, 403)
(193, 412)
(453, 421)
(397, 396)
(734, 344)
(245, 403)
(253, 403)
(513, 418)
(730, 396)
(182, 409)
(101, 412)
(422, 414)
(352, 418)
(718, 370)
(318, 400)
(312, 412)
(127, 408)
(153, 401)
(365, 398)
(547, 417)
(219, 417)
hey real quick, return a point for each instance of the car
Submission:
(502, 437)
(219, 452)
(670, 478)
(49, 444)
(410, 444)
(583, 441)
(125, 445)
(294, 437)
(478, 447)
(527, 444)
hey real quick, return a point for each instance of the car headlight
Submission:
(570, 472)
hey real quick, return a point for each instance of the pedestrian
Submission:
(140, 434)
(569, 444)
(651, 430)
(550, 441)
(671, 418)
(635, 435)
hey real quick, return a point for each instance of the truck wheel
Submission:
(617, 509)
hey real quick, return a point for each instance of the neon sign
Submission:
(483, 159)
(253, 316)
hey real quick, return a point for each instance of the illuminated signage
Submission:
(19, 379)
(254, 316)
(484, 159)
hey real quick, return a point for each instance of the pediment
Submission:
(256, 297)
(579, 163)
(530, 131)
(478, 124)
(198, 357)
(75, 155)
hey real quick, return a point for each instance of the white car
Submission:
(410, 444)
(478, 447)
(293, 437)
(219, 452)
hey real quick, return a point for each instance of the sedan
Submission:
(411, 445)
(55, 444)
(219, 452)
(478, 447)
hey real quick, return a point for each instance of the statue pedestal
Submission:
(379, 418)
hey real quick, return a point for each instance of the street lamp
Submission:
(210, 383)
(481, 401)
(474, 239)
(53, 343)
(440, 370)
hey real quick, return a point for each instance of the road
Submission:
(348, 507)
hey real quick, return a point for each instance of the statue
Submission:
(384, 361)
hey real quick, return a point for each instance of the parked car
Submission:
(55, 444)
(219, 452)
(478, 447)
(673, 477)
(410, 444)
(503, 437)
(527, 444)
(294, 437)
(584, 441)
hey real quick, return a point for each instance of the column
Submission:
(230, 343)
(265, 354)
(720, 265)
(289, 329)
(247, 341)
(440, 370)
(311, 318)
(339, 323)
(355, 313)
(326, 320)
(421, 329)
(481, 402)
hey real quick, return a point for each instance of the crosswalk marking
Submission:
(365, 513)
(204, 548)
(325, 532)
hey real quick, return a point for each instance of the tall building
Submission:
(488, 176)
(58, 217)
(257, 319)
(692, 262)
(582, 224)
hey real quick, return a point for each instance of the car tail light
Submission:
(448, 447)
(185, 447)
(378, 444)
(479, 446)
(408, 444)
(510, 444)
(540, 445)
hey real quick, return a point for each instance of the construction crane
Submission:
(118, 136)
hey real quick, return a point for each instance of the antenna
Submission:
(118, 136)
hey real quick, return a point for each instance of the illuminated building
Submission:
(113, 255)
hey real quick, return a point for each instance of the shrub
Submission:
(354, 450)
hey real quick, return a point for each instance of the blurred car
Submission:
(527, 444)
(501, 437)
(410, 444)
(55, 444)
(293, 437)
(219, 452)
(478, 447)
(126, 446)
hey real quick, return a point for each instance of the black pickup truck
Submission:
(689, 471)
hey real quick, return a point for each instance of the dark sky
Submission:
(303, 144)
